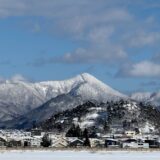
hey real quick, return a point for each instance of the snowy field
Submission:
(82, 155)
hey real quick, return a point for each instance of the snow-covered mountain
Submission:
(18, 97)
(43, 112)
(92, 88)
(147, 97)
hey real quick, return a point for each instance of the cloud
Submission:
(142, 38)
(156, 58)
(105, 32)
(90, 24)
(83, 22)
(141, 69)
(75, 18)
(98, 54)
(49, 8)
(18, 77)
(14, 78)
(101, 54)
(100, 35)
(12, 8)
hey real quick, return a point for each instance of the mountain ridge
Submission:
(18, 97)
(147, 97)
(22, 103)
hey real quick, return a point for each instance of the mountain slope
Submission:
(147, 97)
(115, 117)
(45, 111)
(92, 88)
(18, 97)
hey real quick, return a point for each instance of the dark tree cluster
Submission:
(46, 142)
(74, 131)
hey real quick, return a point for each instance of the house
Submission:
(76, 143)
(97, 142)
(36, 132)
(27, 134)
(118, 135)
(106, 136)
(112, 143)
(35, 142)
(130, 140)
(2, 142)
(26, 143)
(133, 143)
(31, 142)
(130, 133)
(54, 136)
(14, 143)
(60, 143)
(153, 143)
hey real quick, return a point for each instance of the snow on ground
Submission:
(147, 128)
(81, 155)
(86, 123)
(92, 116)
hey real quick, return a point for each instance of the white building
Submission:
(35, 142)
(130, 133)
(135, 145)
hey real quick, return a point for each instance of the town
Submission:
(36, 138)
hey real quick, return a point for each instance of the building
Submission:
(36, 132)
(133, 143)
(60, 143)
(35, 142)
(153, 143)
(112, 143)
(2, 142)
(13, 143)
(130, 133)
(97, 142)
(77, 143)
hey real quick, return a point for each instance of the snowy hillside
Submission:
(19, 97)
(84, 85)
(91, 88)
(114, 117)
(147, 97)
(45, 111)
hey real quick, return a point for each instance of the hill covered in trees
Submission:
(110, 117)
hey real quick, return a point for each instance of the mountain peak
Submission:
(88, 77)
(85, 74)
(90, 87)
